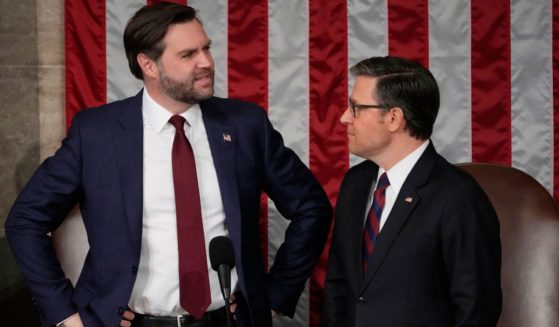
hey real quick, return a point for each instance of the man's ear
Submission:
(395, 119)
(148, 66)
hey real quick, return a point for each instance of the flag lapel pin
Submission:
(408, 199)
(226, 137)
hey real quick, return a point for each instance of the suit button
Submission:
(361, 300)
(121, 310)
(134, 269)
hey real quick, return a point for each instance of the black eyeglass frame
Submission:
(354, 107)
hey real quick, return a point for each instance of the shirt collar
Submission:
(399, 172)
(158, 117)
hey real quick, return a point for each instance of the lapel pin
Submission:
(226, 137)
(408, 199)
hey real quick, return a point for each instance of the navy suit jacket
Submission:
(437, 258)
(99, 166)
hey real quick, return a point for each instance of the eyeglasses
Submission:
(354, 107)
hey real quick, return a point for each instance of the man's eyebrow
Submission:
(187, 51)
(192, 50)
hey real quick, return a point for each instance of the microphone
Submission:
(222, 259)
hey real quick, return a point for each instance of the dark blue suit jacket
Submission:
(437, 259)
(100, 166)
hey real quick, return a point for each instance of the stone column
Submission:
(31, 121)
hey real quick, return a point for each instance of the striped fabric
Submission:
(372, 223)
(496, 62)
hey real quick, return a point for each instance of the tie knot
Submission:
(383, 181)
(178, 122)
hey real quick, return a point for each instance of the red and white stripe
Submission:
(497, 63)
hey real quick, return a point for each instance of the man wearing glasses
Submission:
(416, 240)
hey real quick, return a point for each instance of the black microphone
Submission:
(222, 259)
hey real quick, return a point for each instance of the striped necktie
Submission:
(372, 224)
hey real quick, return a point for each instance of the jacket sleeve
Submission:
(339, 301)
(472, 257)
(40, 208)
(299, 198)
(337, 293)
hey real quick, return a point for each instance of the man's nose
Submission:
(205, 59)
(346, 117)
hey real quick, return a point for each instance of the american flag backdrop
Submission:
(496, 62)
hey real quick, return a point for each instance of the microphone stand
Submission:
(224, 272)
(228, 313)
(222, 259)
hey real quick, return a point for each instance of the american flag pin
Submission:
(408, 199)
(226, 137)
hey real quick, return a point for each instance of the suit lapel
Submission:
(361, 192)
(223, 139)
(128, 144)
(397, 218)
(406, 201)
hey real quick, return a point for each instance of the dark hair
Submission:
(145, 31)
(406, 84)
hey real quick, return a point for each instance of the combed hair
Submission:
(406, 84)
(145, 31)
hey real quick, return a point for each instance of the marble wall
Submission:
(32, 121)
(31, 91)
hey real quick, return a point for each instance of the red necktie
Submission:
(372, 224)
(193, 268)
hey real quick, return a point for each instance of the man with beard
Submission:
(157, 176)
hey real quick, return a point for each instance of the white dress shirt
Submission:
(397, 176)
(156, 290)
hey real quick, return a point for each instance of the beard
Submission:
(185, 91)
